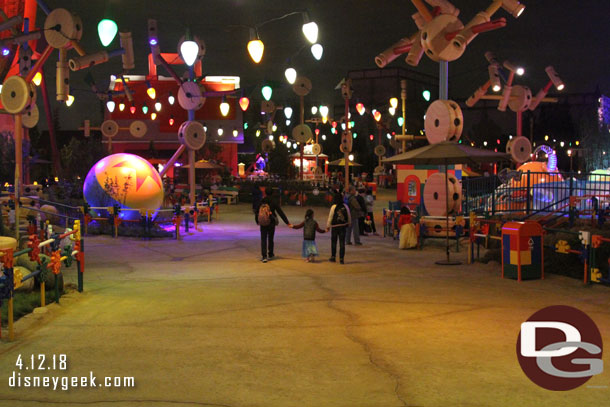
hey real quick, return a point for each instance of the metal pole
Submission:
(301, 144)
(346, 153)
(443, 80)
(18, 167)
(191, 152)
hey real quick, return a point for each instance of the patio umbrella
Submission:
(205, 165)
(341, 163)
(446, 153)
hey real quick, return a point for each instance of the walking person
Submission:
(338, 220)
(267, 220)
(310, 227)
(370, 207)
(357, 211)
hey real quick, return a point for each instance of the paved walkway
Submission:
(202, 322)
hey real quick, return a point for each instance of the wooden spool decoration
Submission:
(302, 133)
(379, 150)
(109, 128)
(138, 128)
(435, 227)
(520, 98)
(457, 193)
(267, 106)
(70, 28)
(437, 198)
(192, 135)
(267, 146)
(302, 86)
(31, 116)
(190, 96)
(380, 169)
(16, 94)
(346, 141)
(436, 45)
(316, 149)
(444, 121)
(519, 148)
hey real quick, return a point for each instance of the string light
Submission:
(37, 79)
(360, 108)
(150, 91)
(317, 50)
(121, 106)
(224, 107)
(314, 110)
(106, 30)
(153, 116)
(144, 109)
(267, 92)
(171, 99)
(110, 104)
(394, 102)
(220, 131)
(70, 100)
(244, 102)
(158, 106)
(132, 109)
(171, 120)
(288, 112)
(189, 50)
(291, 75)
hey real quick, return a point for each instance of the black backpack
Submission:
(340, 216)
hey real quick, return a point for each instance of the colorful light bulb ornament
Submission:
(314, 110)
(107, 30)
(110, 104)
(323, 111)
(426, 95)
(310, 30)
(158, 106)
(360, 108)
(244, 102)
(70, 100)
(267, 92)
(37, 79)
(224, 107)
(150, 91)
(394, 102)
(400, 120)
(317, 50)
(171, 99)
(121, 106)
(132, 109)
(377, 115)
(144, 109)
(255, 47)
(291, 75)
(189, 50)
(288, 112)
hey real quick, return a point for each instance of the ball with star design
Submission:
(124, 179)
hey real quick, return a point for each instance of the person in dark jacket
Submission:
(268, 229)
(357, 209)
(338, 220)
(310, 227)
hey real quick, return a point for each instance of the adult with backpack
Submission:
(267, 219)
(338, 220)
(357, 209)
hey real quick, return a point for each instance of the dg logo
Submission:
(560, 348)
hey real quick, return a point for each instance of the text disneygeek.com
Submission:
(41, 362)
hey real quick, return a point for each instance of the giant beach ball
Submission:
(124, 179)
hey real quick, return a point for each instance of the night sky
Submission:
(574, 37)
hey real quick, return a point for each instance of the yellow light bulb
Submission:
(152, 93)
(394, 102)
(37, 79)
(256, 49)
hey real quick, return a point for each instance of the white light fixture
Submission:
(158, 106)
(323, 137)
(324, 111)
(274, 127)
(287, 122)
(171, 99)
(389, 136)
(310, 30)
(70, 100)
(220, 131)
(189, 50)
(267, 92)
(291, 75)
(288, 112)
(235, 133)
(271, 137)
(350, 157)
(106, 30)
(314, 109)
(520, 71)
(289, 144)
(392, 110)
(494, 78)
(224, 107)
(110, 105)
(255, 47)
(317, 50)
